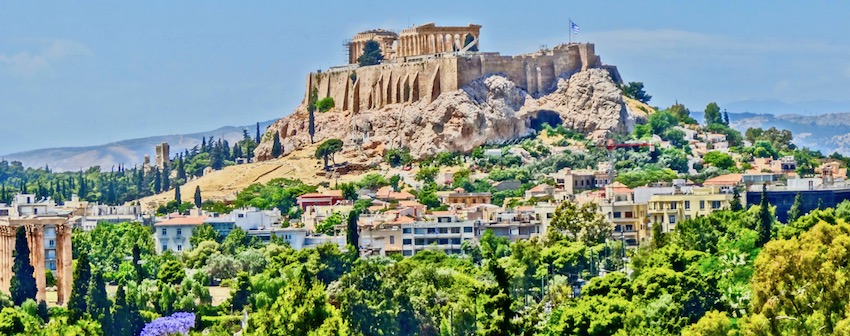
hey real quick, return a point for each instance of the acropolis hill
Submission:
(432, 93)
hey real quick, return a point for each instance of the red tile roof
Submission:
(183, 221)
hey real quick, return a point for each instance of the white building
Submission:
(173, 234)
(27, 205)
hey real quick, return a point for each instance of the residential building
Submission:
(172, 234)
(628, 218)
(669, 209)
(459, 196)
(541, 191)
(388, 194)
(331, 197)
(28, 206)
(445, 231)
(575, 181)
(520, 223)
(814, 194)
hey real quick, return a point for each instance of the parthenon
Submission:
(419, 40)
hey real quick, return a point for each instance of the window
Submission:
(179, 247)
(4, 212)
(51, 243)
(164, 232)
(672, 219)
(392, 239)
(35, 211)
(420, 241)
(165, 247)
(618, 214)
(467, 229)
(701, 205)
(455, 230)
(443, 241)
(432, 231)
(616, 228)
(629, 214)
(419, 231)
(672, 205)
(549, 214)
(456, 241)
(630, 228)
(687, 205)
(444, 230)
(407, 253)
(715, 204)
(405, 230)
(179, 231)
(407, 241)
(240, 215)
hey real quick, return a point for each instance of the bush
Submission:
(226, 283)
(325, 104)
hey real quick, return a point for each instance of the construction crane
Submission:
(611, 145)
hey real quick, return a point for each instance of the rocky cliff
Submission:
(491, 109)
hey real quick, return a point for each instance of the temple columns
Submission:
(64, 266)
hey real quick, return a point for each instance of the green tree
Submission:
(427, 174)
(580, 223)
(735, 204)
(327, 150)
(796, 209)
(352, 230)
(236, 241)
(157, 181)
(98, 303)
(635, 91)
(765, 223)
(349, 191)
(23, 281)
(277, 148)
(311, 110)
(43, 312)
(712, 114)
(327, 225)
(242, 292)
(198, 200)
(681, 113)
(77, 307)
(177, 196)
(325, 104)
(371, 54)
(171, 273)
(202, 233)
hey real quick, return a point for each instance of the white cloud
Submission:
(26, 63)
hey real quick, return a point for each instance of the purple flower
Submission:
(177, 323)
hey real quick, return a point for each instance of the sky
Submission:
(78, 73)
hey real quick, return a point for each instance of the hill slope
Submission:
(129, 152)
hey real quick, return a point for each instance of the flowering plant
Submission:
(177, 323)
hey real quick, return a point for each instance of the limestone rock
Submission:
(491, 109)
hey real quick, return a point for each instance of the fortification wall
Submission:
(376, 86)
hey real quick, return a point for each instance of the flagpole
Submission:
(571, 30)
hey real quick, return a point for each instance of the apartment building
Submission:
(669, 209)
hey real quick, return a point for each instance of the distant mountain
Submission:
(813, 107)
(129, 152)
(827, 133)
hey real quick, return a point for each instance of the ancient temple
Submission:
(419, 40)
(49, 239)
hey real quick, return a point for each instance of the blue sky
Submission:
(86, 73)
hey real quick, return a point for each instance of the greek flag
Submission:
(574, 27)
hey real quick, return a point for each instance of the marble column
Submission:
(35, 236)
(7, 236)
(64, 266)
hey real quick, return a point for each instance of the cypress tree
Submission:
(203, 144)
(157, 181)
(137, 258)
(352, 233)
(177, 194)
(121, 313)
(243, 290)
(796, 208)
(181, 169)
(311, 108)
(166, 181)
(725, 117)
(765, 224)
(257, 138)
(736, 205)
(98, 302)
(43, 312)
(198, 200)
(77, 306)
(23, 280)
(277, 149)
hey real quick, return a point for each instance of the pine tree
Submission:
(243, 289)
(736, 205)
(796, 208)
(77, 306)
(725, 117)
(277, 149)
(352, 233)
(198, 201)
(99, 305)
(177, 194)
(23, 280)
(765, 224)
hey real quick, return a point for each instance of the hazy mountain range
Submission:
(827, 133)
(128, 152)
(777, 107)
